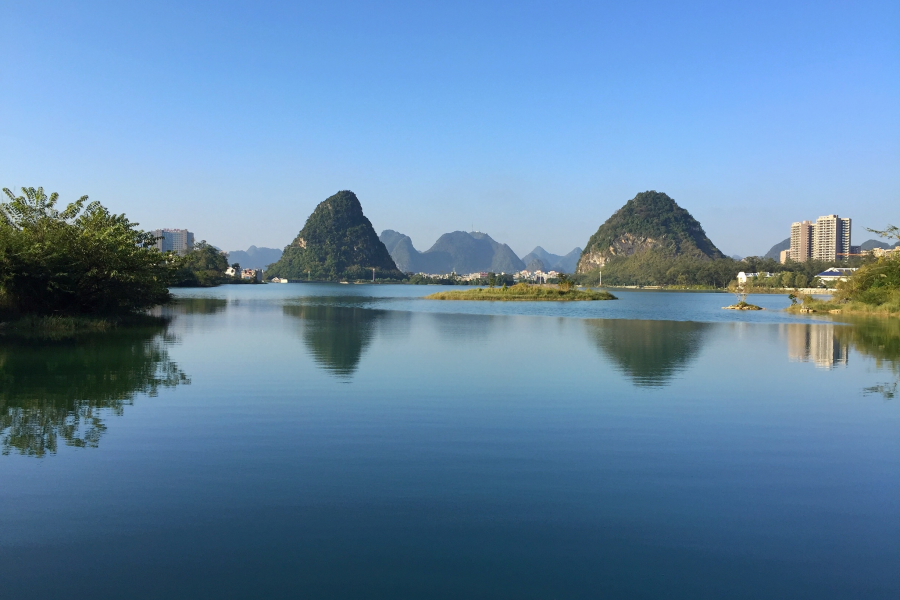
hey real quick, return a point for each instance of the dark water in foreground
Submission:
(357, 442)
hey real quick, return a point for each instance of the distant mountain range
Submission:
(775, 251)
(459, 252)
(547, 261)
(253, 257)
(872, 244)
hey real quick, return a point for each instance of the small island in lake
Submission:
(524, 292)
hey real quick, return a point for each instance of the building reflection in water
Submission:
(817, 343)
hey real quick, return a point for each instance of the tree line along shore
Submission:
(83, 266)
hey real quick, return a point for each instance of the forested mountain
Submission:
(337, 242)
(254, 258)
(459, 252)
(775, 251)
(651, 221)
(552, 262)
(872, 244)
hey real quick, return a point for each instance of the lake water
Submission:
(356, 441)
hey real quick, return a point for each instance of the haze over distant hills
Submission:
(254, 258)
(547, 261)
(775, 251)
(459, 251)
(872, 244)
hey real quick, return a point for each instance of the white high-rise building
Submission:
(831, 238)
(174, 240)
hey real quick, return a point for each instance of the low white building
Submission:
(745, 277)
(835, 274)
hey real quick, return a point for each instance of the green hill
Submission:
(651, 221)
(337, 243)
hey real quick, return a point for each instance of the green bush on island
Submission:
(524, 292)
(82, 260)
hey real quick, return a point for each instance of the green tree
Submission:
(81, 260)
(202, 266)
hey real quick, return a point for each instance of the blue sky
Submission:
(532, 121)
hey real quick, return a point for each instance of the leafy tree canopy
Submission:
(80, 260)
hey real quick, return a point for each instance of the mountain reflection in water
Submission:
(336, 336)
(57, 391)
(651, 353)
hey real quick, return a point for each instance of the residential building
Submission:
(885, 252)
(745, 277)
(255, 274)
(174, 240)
(802, 234)
(835, 274)
(784, 256)
(230, 272)
(832, 238)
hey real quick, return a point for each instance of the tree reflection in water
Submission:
(54, 392)
(336, 336)
(878, 337)
(651, 353)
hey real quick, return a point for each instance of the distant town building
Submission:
(174, 240)
(828, 239)
(745, 277)
(832, 238)
(835, 274)
(254, 274)
(802, 241)
(230, 272)
(884, 252)
(784, 255)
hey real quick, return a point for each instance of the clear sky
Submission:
(531, 121)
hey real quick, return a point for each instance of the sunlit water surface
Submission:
(350, 441)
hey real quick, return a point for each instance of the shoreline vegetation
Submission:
(889, 308)
(525, 293)
(60, 327)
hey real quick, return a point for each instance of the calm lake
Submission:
(358, 441)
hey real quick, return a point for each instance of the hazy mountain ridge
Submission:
(458, 251)
(254, 258)
(552, 262)
(649, 221)
(872, 244)
(775, 251)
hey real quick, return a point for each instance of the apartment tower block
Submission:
(802, 241)
(832, 238)
(174, 240)
(827, 239)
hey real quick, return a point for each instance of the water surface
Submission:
(344, 441)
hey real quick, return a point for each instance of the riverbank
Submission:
(891, 308)
(523, 293)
